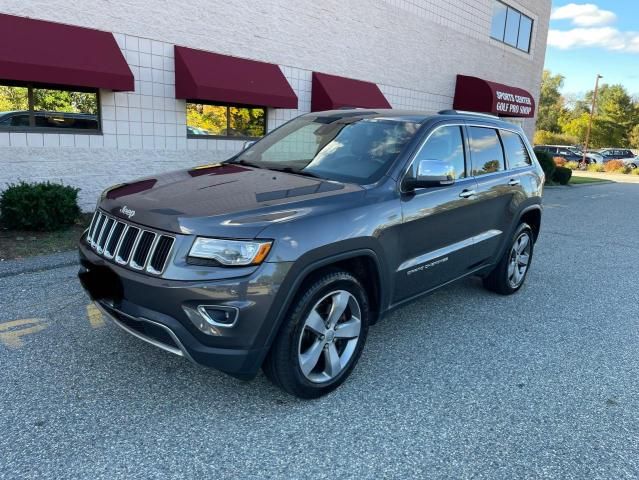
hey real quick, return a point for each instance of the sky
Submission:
(594, 37)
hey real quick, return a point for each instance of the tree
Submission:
(543, 137)
(633, 137)
(13, 98)
(615, 104)
(604, 132)
(551, 104)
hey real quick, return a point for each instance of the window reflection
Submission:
(445, 145)
(225, 121)
(33, 107)
(486, 151)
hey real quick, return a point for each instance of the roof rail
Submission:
(464, 112)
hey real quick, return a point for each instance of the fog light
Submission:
(219, 316)
(210, 319)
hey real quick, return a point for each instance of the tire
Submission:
(509, 274)
(293, 363)
(633, 165)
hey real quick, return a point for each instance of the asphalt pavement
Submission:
(461, 384)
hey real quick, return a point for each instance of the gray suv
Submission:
(283, 256)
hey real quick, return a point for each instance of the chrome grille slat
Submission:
(129, 245)
(113, 240)
(98, 228)
(108, 231)
(141, 251)
(160, 255)
(92, 225)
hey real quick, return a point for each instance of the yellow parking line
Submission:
(95, 316)
(12, 338)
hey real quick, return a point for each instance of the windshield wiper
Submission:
(294, 171)
(248, 164)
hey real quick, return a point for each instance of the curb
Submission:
(9, 268)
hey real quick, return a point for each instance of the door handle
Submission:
(467, 193)
(513, 182)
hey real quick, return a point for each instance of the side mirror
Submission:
(431, 173)
(248, 143)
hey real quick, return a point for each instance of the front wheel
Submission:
(322, 338)
(510, 273)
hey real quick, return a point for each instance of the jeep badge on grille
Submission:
(127, 211)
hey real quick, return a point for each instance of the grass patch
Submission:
(576, 180)
(20, 244)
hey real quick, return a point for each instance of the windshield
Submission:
(347, 149)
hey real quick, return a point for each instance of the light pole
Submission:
(592, 112)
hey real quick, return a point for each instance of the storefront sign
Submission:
(479, 95)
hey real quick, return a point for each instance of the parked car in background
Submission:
(196, 131)
(623, 154)
(75, 121)
(569, 153)
(282, 256)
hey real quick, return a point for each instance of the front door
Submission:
(439, 223)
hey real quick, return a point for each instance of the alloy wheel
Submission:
(519, 259)
(329, 336)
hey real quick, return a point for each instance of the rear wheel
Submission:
(322, 338)
(510, 273)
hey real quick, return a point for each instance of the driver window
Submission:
(446, 144)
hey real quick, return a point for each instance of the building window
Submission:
(511, 27)
(227, 121)
(48, 109)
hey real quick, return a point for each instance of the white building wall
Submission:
(413, 49)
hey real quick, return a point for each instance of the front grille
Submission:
(129, 245)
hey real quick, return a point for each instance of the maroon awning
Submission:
(213, 77)
(52, 53)
(479, 95)
(331, 92)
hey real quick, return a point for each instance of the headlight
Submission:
(231, 252)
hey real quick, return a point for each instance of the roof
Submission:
(410, 115)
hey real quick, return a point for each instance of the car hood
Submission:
(229, 200)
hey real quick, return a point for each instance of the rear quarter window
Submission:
(516, 151)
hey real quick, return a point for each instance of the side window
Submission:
(446, 144)
(486, 151)
(515, 150)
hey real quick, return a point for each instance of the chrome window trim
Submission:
(464, 124)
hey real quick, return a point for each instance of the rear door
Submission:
(497, 189)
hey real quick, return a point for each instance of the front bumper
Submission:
(155, 309)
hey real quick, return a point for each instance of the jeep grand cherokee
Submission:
(284, 255)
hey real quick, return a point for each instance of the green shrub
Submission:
(634, 171)
(547, 163)
(39, 206)
(562, 175)
(572, 165)
(595, 167)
